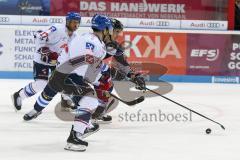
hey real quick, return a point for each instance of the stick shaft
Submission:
(185, 107)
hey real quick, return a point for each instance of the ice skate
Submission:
(74, 142)
(17, 101)
(93, 128)
(31, 115)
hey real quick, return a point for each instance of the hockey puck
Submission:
(208, 131)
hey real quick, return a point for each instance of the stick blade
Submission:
(136, 101)
(222, 127)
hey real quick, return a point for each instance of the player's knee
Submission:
(89, 103)
(39, 85)
(49, 92)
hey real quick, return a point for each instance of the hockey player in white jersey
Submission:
(77, 70)
(120, 71)
(49, 45)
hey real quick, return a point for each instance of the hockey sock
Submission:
(44, 99)
(81, 120)
(32, 88)
(84, 112)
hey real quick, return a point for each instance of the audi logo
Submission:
(56, 20)
(4, 19)
(162, 23)
(213, 25)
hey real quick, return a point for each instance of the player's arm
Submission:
(117, 52)
(47, 55)
(43, 36)
(137, 78)
(121, 68)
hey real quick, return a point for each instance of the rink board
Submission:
(187, 56)
(168, 78)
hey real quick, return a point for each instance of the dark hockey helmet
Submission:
(117, 24)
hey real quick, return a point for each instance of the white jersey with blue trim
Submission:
(55, 38)
(86, 52)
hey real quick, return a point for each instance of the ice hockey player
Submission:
(49, 44)
(119, 71)
(77, 70)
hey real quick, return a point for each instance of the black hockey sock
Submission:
(44, 99)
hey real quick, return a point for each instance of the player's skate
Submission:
(31, 115)
(100, 116)
(103, 119)
(93, 128)
(74, 142)
(67, 105)
(17, 101)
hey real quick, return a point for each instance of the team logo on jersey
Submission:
(89, 46)
(43, 35)
(89, 59)
(65, 47)
(52, 29)
(1, 46)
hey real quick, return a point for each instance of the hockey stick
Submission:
(130, 103)
(184, 107)
(110, 107)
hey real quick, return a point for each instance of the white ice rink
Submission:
(44, 138)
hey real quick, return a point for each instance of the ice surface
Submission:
(45, 137)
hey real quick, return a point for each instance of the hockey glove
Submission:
(139, 81)
(48, 56)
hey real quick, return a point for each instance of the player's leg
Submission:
(58, 82)
(42, 101)
(81, 124)
(100, 113)
(86, 104)
(54, 86)
(41, 73)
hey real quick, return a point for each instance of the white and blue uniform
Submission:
(55, 39)
(87, 45)
(84, 58)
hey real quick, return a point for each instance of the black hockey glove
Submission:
(114, 48)
(139, 81)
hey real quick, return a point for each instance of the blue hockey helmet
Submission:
(102, 22)
(73, 16)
